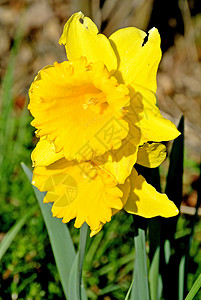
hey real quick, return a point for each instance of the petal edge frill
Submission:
(79, 191)
(125, 188)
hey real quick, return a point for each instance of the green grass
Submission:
(29, 258)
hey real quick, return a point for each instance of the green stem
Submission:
(83, 241)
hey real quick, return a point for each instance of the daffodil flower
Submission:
(96, 115)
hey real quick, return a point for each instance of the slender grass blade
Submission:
(129, 291)
(195, 288)
(11, 234)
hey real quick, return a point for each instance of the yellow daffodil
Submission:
(95, 115)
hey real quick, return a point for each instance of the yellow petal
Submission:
(125, 188)
(80, 38)
(145, 201)
(43, 175)
(137, 64)
(79, 190)
(119, 163)
(151, 155)
(44, 153)
(144, 114)
(76, 105)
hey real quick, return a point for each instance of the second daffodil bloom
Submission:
(96, 116)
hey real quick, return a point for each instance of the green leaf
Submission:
(175, 172)
(170, 254)
(154, 276)
(72, 283)
(60, 238)
(11, 234)
(181, 278)
(140, 288)
(153, 177)
(73, 289)
(167, 251)
(195, 288)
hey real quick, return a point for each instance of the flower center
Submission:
(97, 103)
(91, 92)
(87, 104)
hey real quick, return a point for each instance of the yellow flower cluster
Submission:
(96, 116)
